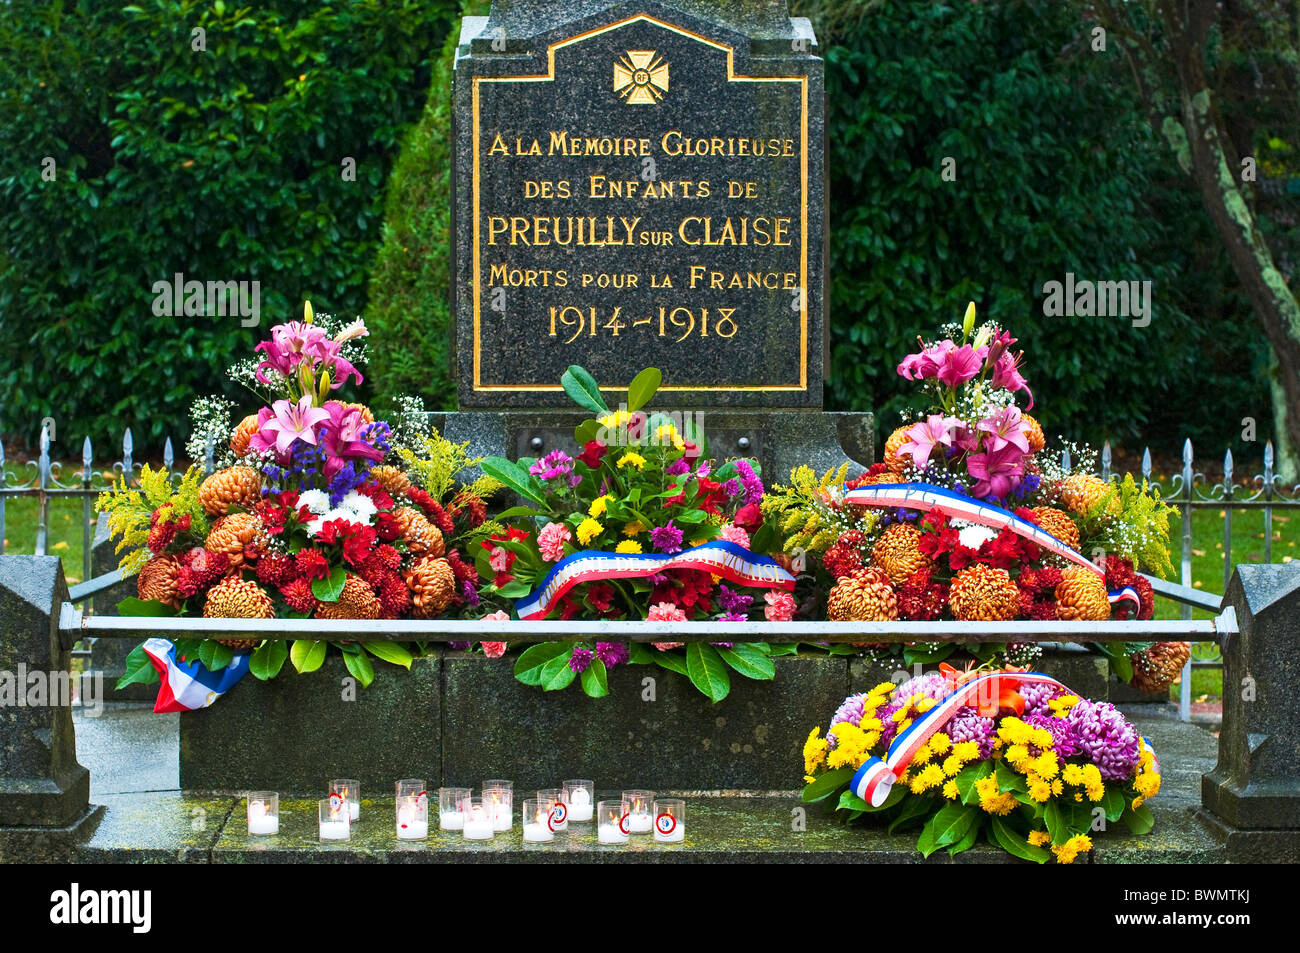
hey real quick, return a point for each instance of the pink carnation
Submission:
(734, 534)
(780, 606)
(495, 649)
(666, 612)
(551, 541)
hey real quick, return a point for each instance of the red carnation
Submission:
(844, 557)
(313, 564)
(387, 527)
(600, 595)
(749, 517)
(592, 451)
(358, 545)
(921, 599)
(297, 593)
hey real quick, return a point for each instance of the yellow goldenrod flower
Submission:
(588, 530)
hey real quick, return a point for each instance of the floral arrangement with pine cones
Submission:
(997, 754)
(316, 509)
(1065, 543)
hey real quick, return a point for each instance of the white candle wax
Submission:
(610, 834)
(412, 830)
(579, 805)
(354, 810)
(640, 823)
(451, 820)
(477, 828)
(538, 831)
(333, 830)
(677, 833)
(264, 824)
(502, 817)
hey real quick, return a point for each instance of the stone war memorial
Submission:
(640, 575)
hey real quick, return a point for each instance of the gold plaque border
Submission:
(549, 76)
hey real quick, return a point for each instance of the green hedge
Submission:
(222, 164)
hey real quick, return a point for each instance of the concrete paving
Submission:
(128, 749)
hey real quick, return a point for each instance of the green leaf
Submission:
(514, 589)
(968, 840)
(826, 785)
(670, 660)
(926, 842)
(783, 648)
(595, 680)
(586, 432)
(306, 655)
(329, 590)
(583, 389)
(1008, 780)
(1014, 844)
(641, 654)
(187, 648)
(748, 660)
(1122, 666)
(1113, 803)
(268, 658)
(1056, 823)
(556, 674)
(139, 670)
(133, 606)
(851, 802)
(214, 655)
(706, 671)
(913, 808)
(389, 652)
(952, 822)
(514, 477)
(515, 511)
(967, 777)
(359, 665)
(1139, 822)
(643, 388)
(529, 665)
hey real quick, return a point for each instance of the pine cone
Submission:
(1082, 595)
(1034, 433)
(864, 596)
(393, 480)
(1156, 668)
(980, 593)
(890, 458)
(243, 433)
(432, 584)
(157, 580)
(356, 601)
(233, 485)
(235, 598)
(422, 537)
(897, 552)
(1058, 523)
(1081, 492)
(239, 536)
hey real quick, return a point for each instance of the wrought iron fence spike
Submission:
(1146, 463)
(86, 456)
(168, 458)
(1268, 459)
(1187, 451)
(1227, 470)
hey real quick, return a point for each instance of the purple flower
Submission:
(613, 653)
(922, 438)
(581, 659)
(677, 467)
(704, 469)
(753, 485)
(1036, 696)
(1105, 738)
(555, 464)
(850, 710)
(731, 601)
(967, 724)
(469, 594)
(732, 487)
(458, 646)
(1064, 742)
(666, 539)
(723, 645)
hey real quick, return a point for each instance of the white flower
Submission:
(359, 505)
(317, 501)
(314, 527)
(973, 537)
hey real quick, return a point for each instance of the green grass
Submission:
(64, 537)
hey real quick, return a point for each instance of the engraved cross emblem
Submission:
(640, 77)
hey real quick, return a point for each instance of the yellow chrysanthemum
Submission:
(633, 528)
(1043, 738)
(851, 746)
(871, 724)
(883, 689)
(939, 742)
(922, 755)
(1076, 845)
(628, 546)
(598, 505)
(1017, 755)
(925, 704)
(1039, 838)
(814, 751)
(631, 459)
(1072, 774)
(1040, 791)
(667, 434)
(966, 750)
(1061, 706)
(1057, 787)
(931, 776)
(950, 790)
(1046, 765)
(951, 765)
(588, 530)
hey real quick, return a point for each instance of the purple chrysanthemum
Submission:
(967, 724)
(753, 485)
(677, 467)
(613, 653)
(1037, 695)
(555, 464)
(469, 594)
(1105, 738)
(722, 645)
(731, 601)
(666, 539)
(458, 646)
(581, 659)
(1064, 742)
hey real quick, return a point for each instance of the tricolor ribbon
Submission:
(719, 557)
(873, 780)
(188, 686)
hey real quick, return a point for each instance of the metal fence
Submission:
(1188, 490)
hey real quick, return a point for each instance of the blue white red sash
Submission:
(875, 777)
(187, 686)
(719, 557)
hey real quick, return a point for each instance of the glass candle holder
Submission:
(263, 812)
(350, 790)
(335, 818)
(478, 820)
(412, 810)
(498, 800)
(670, 819)
(451, 808)
(559, 810)
(580, 796)
(539, 819)
(640, 807)
(612, 822)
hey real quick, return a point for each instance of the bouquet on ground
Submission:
(640, 525)
(315, 509)
(969, 517)
(1012, 756)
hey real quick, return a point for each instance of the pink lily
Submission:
(959, 365)
(328, 353)
(279, 425)
(1006, 428)
(289, 347)
(996, 472)
(922, 438)
(1006, 374)
(342, 439)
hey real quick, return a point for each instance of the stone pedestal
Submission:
(1253, 792)
(43, 790)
